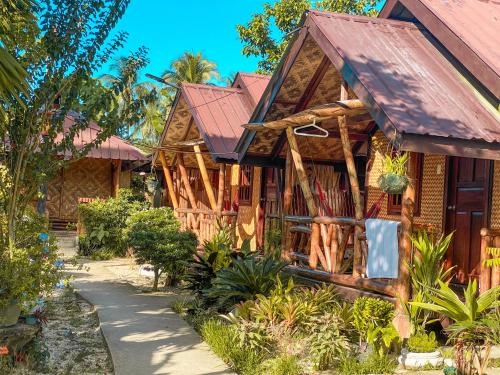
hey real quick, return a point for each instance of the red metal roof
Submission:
(219, 112)
(112, 148)
(254, 84)
(400, 72)
(469, 29)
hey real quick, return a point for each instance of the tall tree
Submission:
(192, 68)
(60, 52)
(266, 35)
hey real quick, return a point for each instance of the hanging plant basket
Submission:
(392, 183)
(9, 315)
(152, 185)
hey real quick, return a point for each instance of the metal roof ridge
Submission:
(206, 86)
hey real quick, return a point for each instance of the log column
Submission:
(353, 179)
(221, 187)
(168, 179)
(117, 168)
(205, 178)
(401, 320)
(485, 275)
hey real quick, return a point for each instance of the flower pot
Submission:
(392, 183)
(9, 315)
(412, 360)
(31, 320)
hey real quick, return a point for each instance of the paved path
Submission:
(143, 334)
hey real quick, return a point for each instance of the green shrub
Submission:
(374, 312)
(422, 343)
(105, 223)
(282, 365)
(245, 279)
(180, 306)
(156, 239)
(223, 340)
(373, 364)
(33, 268)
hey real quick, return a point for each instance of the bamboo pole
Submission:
(301, 173)
(168, 179)
(353, 179)
(185, 181)
(287, 204)
(205, 178)
(221, 187)
(485, 275)
(117, 168)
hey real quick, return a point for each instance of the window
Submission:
(245, 185)
(394, 201)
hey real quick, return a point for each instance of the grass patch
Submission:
(180, 306)
(223, 340)
(373, 364)
(283, 365)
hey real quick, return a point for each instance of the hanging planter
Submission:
(393, 179)
(152, 185)
(9, 315)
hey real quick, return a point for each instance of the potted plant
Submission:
(421, 351)
(393, 179)
(152, 184)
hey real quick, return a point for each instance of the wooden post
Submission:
(205, 178)
(353, 179)
(185, 181)
(485, 275)
(117, 168)
(301, 173)
(168, 179)
(286, 235)
(401, 321)
(222, 183)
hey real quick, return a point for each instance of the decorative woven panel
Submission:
(86, 178)
(177, 128)
(432, 193)
(495, 199)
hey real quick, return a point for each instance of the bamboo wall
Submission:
(247, 215)
(432, 193)
(495, 199)
(85, 178)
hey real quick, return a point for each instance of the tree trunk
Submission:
(156, 279)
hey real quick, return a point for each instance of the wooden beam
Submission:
(189, 143)
(221, 187)
(185, 180)
(353, 179)
(168, 179)
(319, 113)
(205, 178)
(117, 168)
(301, 173)
(287, 204)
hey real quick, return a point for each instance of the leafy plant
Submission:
(180, 306)
(494, 261)
(105, 222)
(469, 333)
(223, 340)
(245, 279)
(393, 179)
(371, 312)
(422, 343)
(382, 338)
(156, 239)
(282, 365)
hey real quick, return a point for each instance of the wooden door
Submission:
(466, 213)
(269, 207)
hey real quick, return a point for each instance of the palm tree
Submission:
(192, 68)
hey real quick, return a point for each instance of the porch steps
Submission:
(59, 224)
(66, 242)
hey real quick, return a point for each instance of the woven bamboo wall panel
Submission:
(86, 178)
(249, 215)
(432, 193)
(177, 127)
(495, 198)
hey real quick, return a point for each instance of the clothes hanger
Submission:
(324, 132)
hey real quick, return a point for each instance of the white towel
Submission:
(383, 249)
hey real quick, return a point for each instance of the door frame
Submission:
(486, 200)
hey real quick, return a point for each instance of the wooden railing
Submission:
(490, 276)
(321, 248)
(204, 223)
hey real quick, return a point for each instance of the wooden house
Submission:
(99, 174)
(420, 77)
(196, 153)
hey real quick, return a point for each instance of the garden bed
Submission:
(70, 343)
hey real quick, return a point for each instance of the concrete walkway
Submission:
(144, 335)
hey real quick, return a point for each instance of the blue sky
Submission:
(168, 28)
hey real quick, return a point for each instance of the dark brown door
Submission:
(467, 213)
